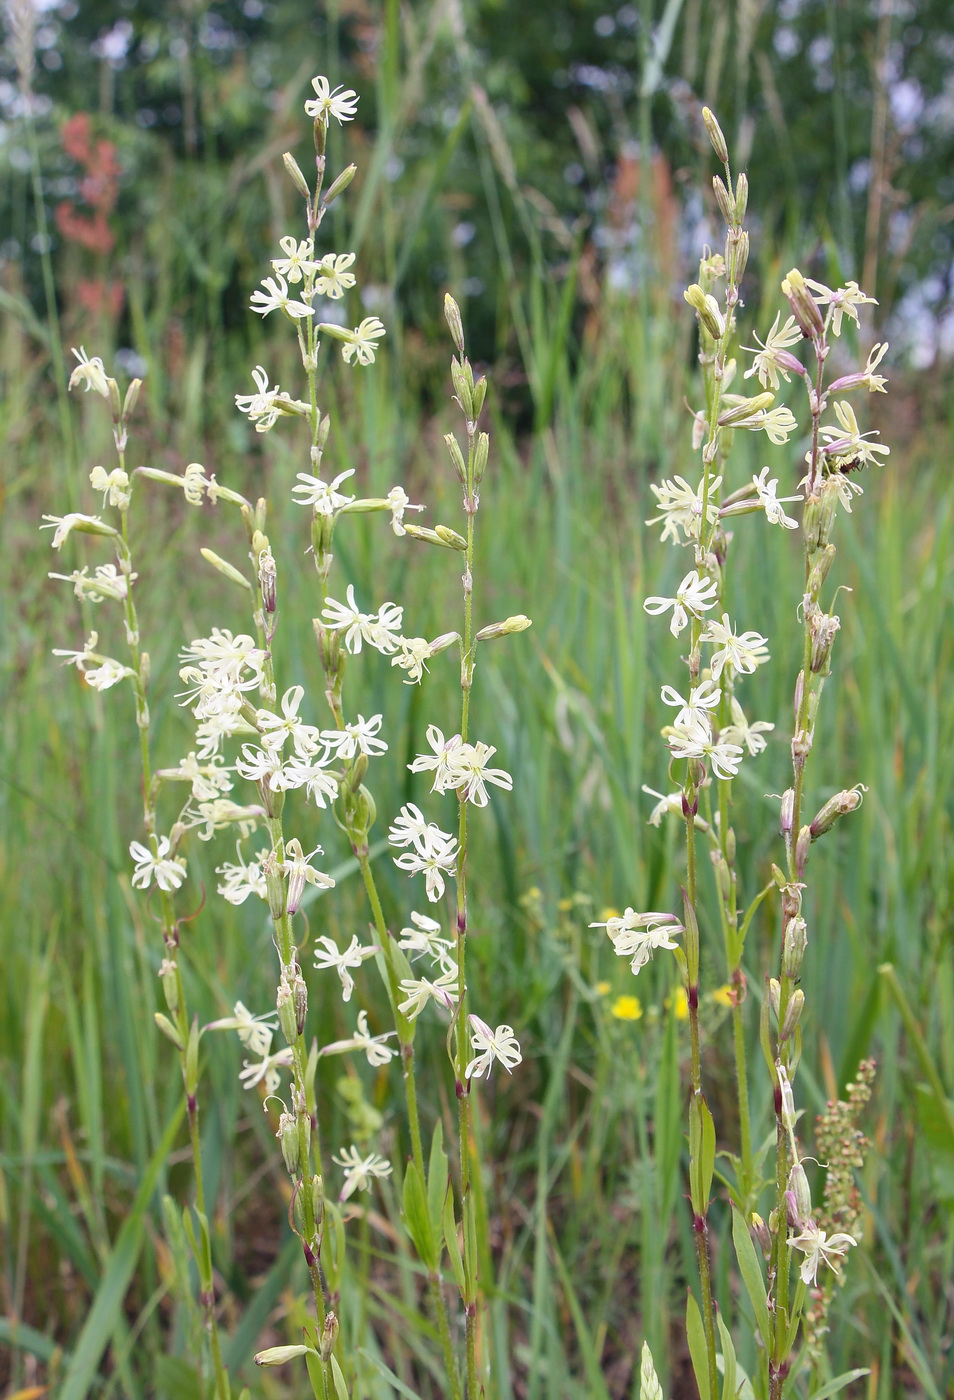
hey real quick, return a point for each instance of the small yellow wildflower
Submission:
(627, 1008)
(564, 905)
(722, 996)
(602, 988)
(609, 913)
(679, 1003)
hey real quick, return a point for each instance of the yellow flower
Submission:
(722, 996)
(627, 1008)
(602, 988)
(564, 905)
(609, 913)
(679, 1003)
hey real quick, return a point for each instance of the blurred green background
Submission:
(547, 164)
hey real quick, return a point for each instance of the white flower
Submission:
(208, 779)
(222, 657)
(329, 955)
(241, 880)
(114, 484)
(61, 525)
(255, 1032)
(668, 805)
(266, 407)
(357, 737)
(774, 357)
(277, 728)
(262, 766)
(410, 828)
(107, 674)
(696, 741)
(637, 936)
(194, 484)
(340, 103)
(419, 991)
(424, 939)
(90, 372)
(334, 279)
(771, 504)
(440, 763)
(468, 764)
(362, 341)
(275, 298)
(694, 595)
(325, 498)
(359, 1171)
(411, 654)
(296, 262)
(219, 812)
(845, 445)
(820, 1248)
(680, 507)
(267, 1070)
(311, 774)
(741, 732)
(843, 302)
(399, 501)
(501, 1045)
(348, 618)
(702, 698)
(743, 652)
(437, 859)
(374, 1046)
(169, 874)
(296, 867)
(106, 582)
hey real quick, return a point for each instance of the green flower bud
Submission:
(714, 132)
(224, 567)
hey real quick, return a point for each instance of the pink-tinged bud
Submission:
(802, 847)
(288, 1137)
(838, 806)
(760, 1233)
(804, 308)
(793, 948)
(786, 1111)
(791, 1211)
(799, 1189)
(788, 811)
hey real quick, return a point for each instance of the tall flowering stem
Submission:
(159, 860)
(710, 737)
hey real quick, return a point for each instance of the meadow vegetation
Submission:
(584, 1236)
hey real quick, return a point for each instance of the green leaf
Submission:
(416, 1216)
(701, 1153)
(729, 1366)
(452, 1242)
(751, 1270)
(839, 1383)
(437, 1180)
(698, 1352)
(341, 1388)
(108, 1303)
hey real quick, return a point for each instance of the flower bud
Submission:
(775, 995)
(838, 806)
(463, 381)
(823, 562)
(723, 199)
(456, 456)
(793, 947)
(480, 393)
(114, 403)
(167, 1028)
(802, 847)
(288, 1137)
(132, 398)
(329, 1335)
(452, 314)
(793, 1013)
(823, 627)
(340, 184)
(707, 309)
(748, 408)
(788, 811)
(450, 537)
(741, 197)
(787, 1100)
(480, 456)
(421, 532)
(518, 623)
(804, 308)
(277, 1356)
(760, 1233)
(295, 171)
(800, 1192)
(317, 1199)
(441, 643)
(170, 984)
(224, 567)
(274, 887)
(268, 580)
(714, 132)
